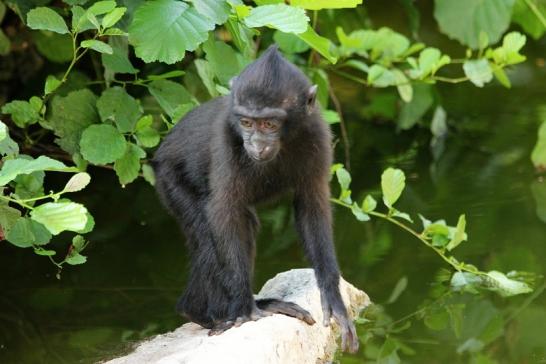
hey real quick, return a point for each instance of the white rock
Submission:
(272, 340)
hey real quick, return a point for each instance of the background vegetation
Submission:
(89, 86)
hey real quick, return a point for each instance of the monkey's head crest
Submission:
(272, 81)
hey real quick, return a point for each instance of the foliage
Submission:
(115, 124)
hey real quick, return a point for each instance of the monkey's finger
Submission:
(221, 327)
(289, 309)
(326, 312)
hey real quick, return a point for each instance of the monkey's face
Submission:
(261, 137)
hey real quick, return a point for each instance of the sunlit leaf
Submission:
(163, 30)
(393, 182)
(128, 165)
(478, 71)
(359, 214)
(97, 45)
(113, 17)
(325, 4)
(14, 167)
(285, 18)
(369, 204)
(60, 216)
(320, 44)
(46, 19)
(459, 235)
(77, 182)
(117, 105)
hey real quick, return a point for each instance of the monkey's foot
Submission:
(273, 305)
(221, 326)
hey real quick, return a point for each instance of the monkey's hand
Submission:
(335, 307)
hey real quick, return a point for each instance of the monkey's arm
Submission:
(314, 224)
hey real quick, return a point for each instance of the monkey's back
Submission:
(185, 152)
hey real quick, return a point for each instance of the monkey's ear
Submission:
(232, 82)
(311, 96)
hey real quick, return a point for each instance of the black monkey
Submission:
(265, 138)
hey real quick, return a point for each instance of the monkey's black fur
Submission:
(266, 138)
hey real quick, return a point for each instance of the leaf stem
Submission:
(18, 202)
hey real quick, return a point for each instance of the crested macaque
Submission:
(265, 138)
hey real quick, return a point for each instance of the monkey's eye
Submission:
(269, 125)
(247, 123)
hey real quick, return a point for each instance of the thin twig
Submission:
(342, 127)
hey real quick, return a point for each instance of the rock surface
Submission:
(271, 340)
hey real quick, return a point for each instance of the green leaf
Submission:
(393, 182)
(380, 76)
(538, 156)
(75, 259)
(204, 70)
(46, 19)
(5, 44)
(118, 61)
(77, 182)
(117, 105)
(343, 177)
(330, 116)
(320, 44)
(113, 17)
(8, 217)
(169, 95)
(359, 214)
(26, 232)
(70, 115)
(501, 76)
(148, 137)
(128, 166)
(459, 235)
(102, 7)
(51, 84)
(60, 216)
(97, 45)
(102, 144)
(401, 215)
(216, 10)
(429, 62)
(14, 167)
(115, 31)
(325, 4)
(283, 17)
(166, 75)
(527, 18)
(22, 113)
(225, 63)
(438, 320)
(290, 43)
(55, 47)
(463, 20)
(163, 30)
(80, 22)
(369, 204)
(508, 53)
(44, 252)
(7, 146)
(148, 174)
(505, 286)
(413, 111)
(478, 71)
(466, 282)
(403, 85)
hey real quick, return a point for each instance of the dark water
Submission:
(127, 289)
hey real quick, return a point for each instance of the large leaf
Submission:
(60, 216)
(117, 105)
(102, 144)
(290, 43)
(285, 18)
(55, 47)
(320, 44)
(26, 232)
(70, 115)
(169, 95)
(393, 182)
(128, 166)
(46, 19)
(506, 286)
(464, 20)
(224, 61)
(527, 19)
(163, 30)
(7, 145)
(14, 167)
(539, 152)
(215, 10)
(118, 61)
(325, 4)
